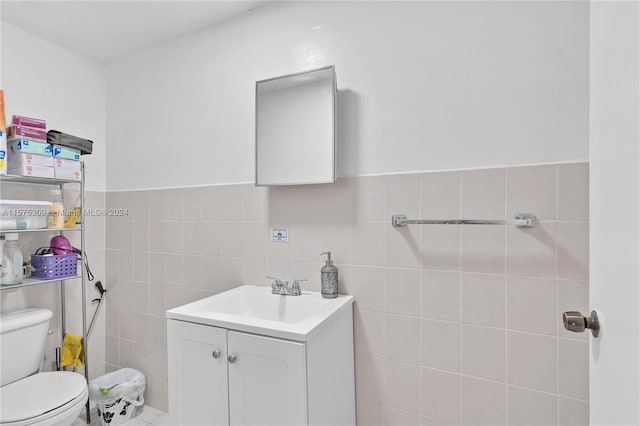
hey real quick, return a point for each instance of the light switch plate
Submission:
(280, 235)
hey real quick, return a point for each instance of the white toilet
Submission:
(28, 397)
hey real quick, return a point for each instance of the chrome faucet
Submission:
(282, 287)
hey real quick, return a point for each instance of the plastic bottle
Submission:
(11, 272)
(329, 278)
(55, 215)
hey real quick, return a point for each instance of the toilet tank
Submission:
(22, 340)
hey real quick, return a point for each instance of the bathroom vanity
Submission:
(248, 357)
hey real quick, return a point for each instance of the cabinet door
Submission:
(267, 381)
(197, 376)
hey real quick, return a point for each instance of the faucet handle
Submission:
(296, 284)
(277, 282)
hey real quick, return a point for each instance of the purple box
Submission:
(27, 132)
(19, 120)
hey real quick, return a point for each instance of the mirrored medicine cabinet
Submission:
(296, 128)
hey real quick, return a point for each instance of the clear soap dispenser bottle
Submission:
(329, 278)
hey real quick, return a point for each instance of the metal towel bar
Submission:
(522, 220)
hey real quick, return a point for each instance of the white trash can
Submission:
(117, 395)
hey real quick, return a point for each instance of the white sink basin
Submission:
(255, 310)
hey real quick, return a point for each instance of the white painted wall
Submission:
(615, 211)
(41, 79)
(1, 24)
(424, 86)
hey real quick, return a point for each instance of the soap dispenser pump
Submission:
(329, 278)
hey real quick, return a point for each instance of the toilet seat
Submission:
(43, 398)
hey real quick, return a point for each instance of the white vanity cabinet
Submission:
(267, 381)
(197, 373)
(223, 377)
(219, 375)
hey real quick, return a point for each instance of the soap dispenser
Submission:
(329, 278)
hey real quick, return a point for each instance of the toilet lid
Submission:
(35, 395)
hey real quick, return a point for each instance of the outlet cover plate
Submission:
(280, 235)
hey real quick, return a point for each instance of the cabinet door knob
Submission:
(232, 358)
(216, 354)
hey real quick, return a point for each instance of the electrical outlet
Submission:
(280, 235)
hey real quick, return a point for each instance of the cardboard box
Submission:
(23, 159)
(62, 163)
(33, 171)
(60, 151)
(28, 146)
(23, 214)
(67, 174)
(27, 132)
(36, 123)
(67, 169)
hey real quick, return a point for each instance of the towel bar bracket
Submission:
(521, 220)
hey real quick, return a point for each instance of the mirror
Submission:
(295, 128)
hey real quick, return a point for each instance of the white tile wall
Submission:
(440, 394)
(401, 386)
(483, 402)
(392, 416)
(482, 352)
(533, 361)
(440, 295)
(440, 344)
(531, 305)
(528, 407)
(453, 325)
(532, 189)
(483, 299)
(439, 247)
(482, 194)
(440, 195)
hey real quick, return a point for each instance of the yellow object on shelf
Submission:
(73, 217)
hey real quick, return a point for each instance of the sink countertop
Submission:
(254, 309)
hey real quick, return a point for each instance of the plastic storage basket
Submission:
(54, 266)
